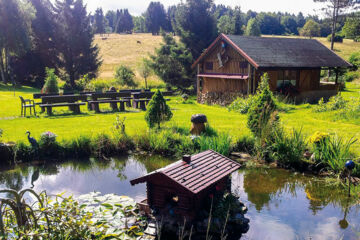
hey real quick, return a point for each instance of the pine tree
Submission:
(157, 111)
(195, 25)
(155, 18)
(172, 63)
(51, 83)
(99, 21)
(111, 19)
(75, 41)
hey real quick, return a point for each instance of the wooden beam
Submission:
(337, 75)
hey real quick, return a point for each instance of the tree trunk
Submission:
(2, 74)
(333, 26)
(146, 84)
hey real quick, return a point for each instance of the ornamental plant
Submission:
(158, 111)
(51, 83)
(48, 145)
(318, 137)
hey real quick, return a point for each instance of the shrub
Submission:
(125, 76)
(158, 111)
(48, 145)
(98, 85)
(288, 149)
(51, 83)
(351, 76)
(337, 102)
(83, 82)
(79, 147)
(102, 145)
(354, 59)
(241, 105)
(245, 144)
(333, 152)
(337, 38)
(262, 107)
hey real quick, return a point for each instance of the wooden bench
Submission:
(140, 100)
(71, 101)
(113, 98)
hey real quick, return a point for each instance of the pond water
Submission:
(282, 205)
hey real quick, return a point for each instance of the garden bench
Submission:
(71, 101)
(140, 100)
(113, 98)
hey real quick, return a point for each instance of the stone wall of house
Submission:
(219, 98)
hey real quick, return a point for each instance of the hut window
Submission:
(209, 66)
(286, 78)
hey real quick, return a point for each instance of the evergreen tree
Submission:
(172, 63)
(300, 20)
(157, 111)
(238, 22)
(99, 21)
(111, 19)
(171, 12)
(290, 25)
(270, 24)
(139, 24)
(51, 83)
(253, 28)
(155, 18)
(195, 25)
(75, 41)
(261, 108)
(310, 29)
(15, 29)
(119, 27)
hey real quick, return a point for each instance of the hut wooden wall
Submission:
(309, 80)
(159, 189)
(235, 65)
(224, 85)
(273, 77)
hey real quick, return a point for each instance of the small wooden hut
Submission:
(232, 66)
(179, 189)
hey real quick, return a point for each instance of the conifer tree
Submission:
(99, 24)
(75, 41)
(157, 111)
(51, 83)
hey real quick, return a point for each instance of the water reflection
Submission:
(282, 205)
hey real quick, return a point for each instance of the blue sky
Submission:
(136, 7)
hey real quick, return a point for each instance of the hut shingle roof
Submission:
(205, 169)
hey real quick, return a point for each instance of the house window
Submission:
(209, 66)
(286, 78)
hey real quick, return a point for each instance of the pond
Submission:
(282, 204)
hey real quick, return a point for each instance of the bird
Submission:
(32, 141)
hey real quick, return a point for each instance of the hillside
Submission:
(117, 49)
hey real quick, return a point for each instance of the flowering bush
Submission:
(48, 137)
(318, 137)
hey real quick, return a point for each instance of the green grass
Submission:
(68, 126)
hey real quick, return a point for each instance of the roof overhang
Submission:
(224, 76)
(223, 37)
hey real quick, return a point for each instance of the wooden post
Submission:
(249, 80)
(337, 75)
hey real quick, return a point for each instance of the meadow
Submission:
(124, 49)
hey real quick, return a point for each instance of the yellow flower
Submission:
(318, 137)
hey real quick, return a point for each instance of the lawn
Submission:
(124, 49)
(67, 126)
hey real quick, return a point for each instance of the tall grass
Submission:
(220, 143)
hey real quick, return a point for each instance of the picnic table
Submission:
(71, 101)
(140, 100)
(113, 98)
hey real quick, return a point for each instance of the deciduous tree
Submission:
(253, 28)
(310, 29)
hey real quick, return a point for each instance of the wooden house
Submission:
(179, 189)
(232, 66)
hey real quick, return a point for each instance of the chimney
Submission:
(187, 159)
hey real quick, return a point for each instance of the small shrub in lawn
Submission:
(288, 149)
(157, 111)
(337, 102)
(351, 76)
(241, 104)
(262, 107)
(337, 38)
(321, 106)
(51, 82)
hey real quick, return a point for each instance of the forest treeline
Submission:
(40, 34)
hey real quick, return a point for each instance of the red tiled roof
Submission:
(205, 169)
(224, 76)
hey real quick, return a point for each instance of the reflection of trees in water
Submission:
(153, 162)
(119, 165)
(265, 185)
